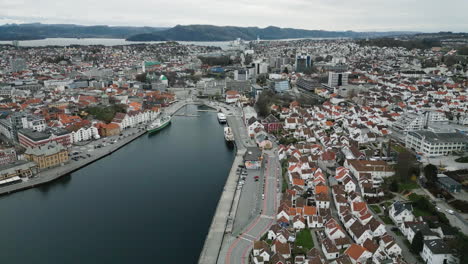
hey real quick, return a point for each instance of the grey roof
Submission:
(253, 153)
(448, 181)
(17, 165)
(46, 150)
(438, 246)
(400, 207)
(36, 135)
(440, 137)
(271, 119)
(421, 226)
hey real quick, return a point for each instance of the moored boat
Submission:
(159, 124)
(228, 135)
(221, 118)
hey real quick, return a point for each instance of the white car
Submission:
(449, 211)
(263, 196)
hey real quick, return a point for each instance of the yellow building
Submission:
(49, 155)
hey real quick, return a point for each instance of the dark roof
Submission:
(271, 119)
(36, 135)
(422, 227)
(438, 246)
(400, 207)
(251, 120)
(253, 153)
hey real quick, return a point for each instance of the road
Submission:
(237, 248)
(45, 176)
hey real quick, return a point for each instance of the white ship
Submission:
(228, 135)
(221, 118)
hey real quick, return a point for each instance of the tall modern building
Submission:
(241, 75)
(303, 62)
(337, 79)
(260, 67)
(17, 64)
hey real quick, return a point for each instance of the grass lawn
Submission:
(407, 186)
(284, 186)
(387, 204)
(375, 208)
(462, 159)
(419, 212)
(398, 148)
(304, 239)
(387, 220)
(398, 233)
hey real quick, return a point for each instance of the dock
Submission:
(222, 222)
(55, 173)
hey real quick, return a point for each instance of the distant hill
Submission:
(41, 31)
(177, 33)
(217, 33)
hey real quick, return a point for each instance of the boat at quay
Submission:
(221, 118)
(228, 135)
(159, 124)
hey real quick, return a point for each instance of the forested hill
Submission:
(41, 31)
(217, 33)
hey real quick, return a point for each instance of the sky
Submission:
(357, 15)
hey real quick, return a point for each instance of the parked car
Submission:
(263, 196)
(438, 209)
(256, 178)
(449, 211)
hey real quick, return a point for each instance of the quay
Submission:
(55, 173)
(222, 222)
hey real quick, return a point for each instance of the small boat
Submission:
(228, 135)
(221, 118)
(159, 124)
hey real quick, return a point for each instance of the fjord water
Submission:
(150, 202)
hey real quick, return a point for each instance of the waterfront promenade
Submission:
(52, 174)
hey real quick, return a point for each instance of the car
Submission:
(256, 178)
(263, 196)
(449, 211)
(241, 166)
(438, 209)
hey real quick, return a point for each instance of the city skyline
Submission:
(336, 15)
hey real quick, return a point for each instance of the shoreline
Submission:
(222, 221)
(58, 172)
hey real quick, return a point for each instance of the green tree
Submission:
(265, 100)
(417, 244)
(430, 172)
(141, 77)
(405, 166)
(394, 186)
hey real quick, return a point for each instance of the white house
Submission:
(349, 185)
(329, 249)
(359, 232)
(299, 222)
(401, 212)
(83, 134)
(358, 254)
(436, 251)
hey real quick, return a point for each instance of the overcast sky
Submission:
(359, 15)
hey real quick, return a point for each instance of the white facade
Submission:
(83, 134)
(431, 257)
(435, 144)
